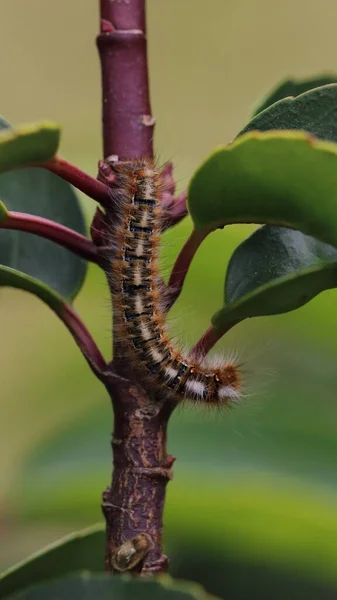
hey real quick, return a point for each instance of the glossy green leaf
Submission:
(12, 278)
(79, 551)
(274, 271)
(294, 87)
(311, 108)
(103, 587)
(39, 192)
(27, 144)
(277, 177)
(314, 111)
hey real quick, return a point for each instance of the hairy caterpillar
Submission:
(139, 295)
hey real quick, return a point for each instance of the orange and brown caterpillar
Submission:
(139, 296)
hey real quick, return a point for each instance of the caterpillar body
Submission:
(139, 295)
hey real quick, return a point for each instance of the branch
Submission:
(82, 181)
(133, 505)
(181, 266)
(50, 230)
(127, 121)
(208, 340)
(16, 279)
(84, 340)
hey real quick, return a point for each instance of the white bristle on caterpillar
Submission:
(171, 373)
(139, 304)
(131, 259)
(157, 356)
(195, 388)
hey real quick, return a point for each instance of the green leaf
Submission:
(78, 551)
(278, 177)
(104, 587)
(274, 271)
(3, 211)
(27, 144)
(12, 278)
(314, 111)
(294, 87)
(39, 192)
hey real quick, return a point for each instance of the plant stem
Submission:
(83, 339)
(134, 502)
(181, 266)
(209, 339)
(127, 121)
(12, 278)
(50, 230)
(82, 181)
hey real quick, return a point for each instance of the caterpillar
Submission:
(139, 295)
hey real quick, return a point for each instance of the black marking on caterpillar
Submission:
(139, 296)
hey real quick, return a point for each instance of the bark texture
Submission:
(134, 502)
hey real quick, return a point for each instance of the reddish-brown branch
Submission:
(181, 266)
(82, 181)
(55, 232)
(124, 15)
(84, 340)
(134, 502)
(208, 340)
(127, 121)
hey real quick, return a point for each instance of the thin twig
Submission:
(181, 266)
(65, 312)
(82, 181)
(55, 232)
(83, 339)
(208, 340)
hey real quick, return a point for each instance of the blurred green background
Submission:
(252, 510)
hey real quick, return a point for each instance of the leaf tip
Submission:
(3, 211)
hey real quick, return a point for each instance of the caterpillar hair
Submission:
(131, 258)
